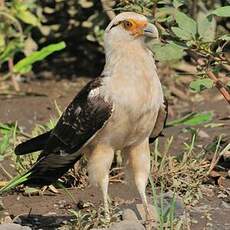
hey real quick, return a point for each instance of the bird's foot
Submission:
(149, 224)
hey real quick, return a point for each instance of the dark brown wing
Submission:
(160, 122)
(82, 119)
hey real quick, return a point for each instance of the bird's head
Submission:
(127, 27)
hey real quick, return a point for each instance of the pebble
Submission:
(127, 225)
(14, 227)
(168, 200)
(203, 134)
(225, 204)
(129, 214)
(1, 205)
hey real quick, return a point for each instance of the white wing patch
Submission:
(93, 93)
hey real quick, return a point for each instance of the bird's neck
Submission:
(126, 57)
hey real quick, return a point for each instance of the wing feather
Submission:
(82, 119)
(160, 122)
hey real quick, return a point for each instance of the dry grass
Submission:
(181, 174)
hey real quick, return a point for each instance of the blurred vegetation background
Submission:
(190, 30)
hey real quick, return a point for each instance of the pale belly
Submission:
(128, 128)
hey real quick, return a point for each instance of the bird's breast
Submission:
(136, 102)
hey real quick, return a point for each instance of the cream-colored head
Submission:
(128, 27)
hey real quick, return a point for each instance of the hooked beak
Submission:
(151, 31)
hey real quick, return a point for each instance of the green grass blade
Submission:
(15, 182)
(23, 65)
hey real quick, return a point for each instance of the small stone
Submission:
(1, 205)
(203, 134)
(168, 199)
(13, 227)
(127, 225)
(50, 214)
(129, 214)
(225, 204)
(222, 195)
(7, 220)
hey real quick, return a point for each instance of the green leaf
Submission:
(199, 118)
(167, 52)
(15, 182)
(163, 12)
(222, 11)
(192, 119)
(11, 48)
(201, 84)
(28, 17)
(26, 69)
(206, 27)
(26, 63)
(4, 144)
(186, 23)
(225, 37)
(184, 35)
(2, 42)
(178, 3)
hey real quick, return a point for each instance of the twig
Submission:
(154, 9)
(2, 3)
(216, 158)
(218, 83)
(5, 171)
(107, 8)
(11, 67)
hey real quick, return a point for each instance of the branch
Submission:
(11, 67)
(217, 82)
(108, 9)
(219, 85)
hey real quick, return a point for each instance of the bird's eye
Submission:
(127, 24)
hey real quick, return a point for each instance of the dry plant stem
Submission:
(5, 171)
(2, 3)
(218, 83)
(216, 158)
(15, 83)
(106, 7)
(154, 9)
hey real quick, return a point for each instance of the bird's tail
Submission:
(18, 180)
(45, 171)
(33, 145)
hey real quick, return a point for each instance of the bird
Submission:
(122, 109)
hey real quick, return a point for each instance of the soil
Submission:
(37, 106)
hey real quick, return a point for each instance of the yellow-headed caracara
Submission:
(120, 110)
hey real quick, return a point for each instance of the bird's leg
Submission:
(104, 188)
(139, 165)
(99, 164)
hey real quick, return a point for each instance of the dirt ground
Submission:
(212, 211)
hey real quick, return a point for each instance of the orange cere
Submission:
(137, 27)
